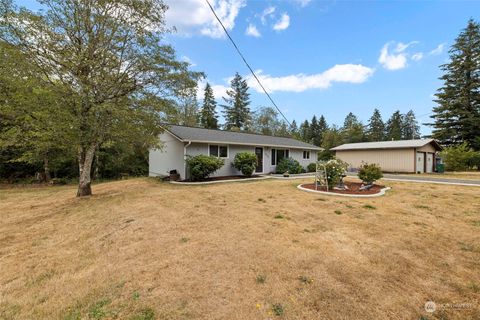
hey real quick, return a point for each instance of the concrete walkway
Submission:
(421, 179)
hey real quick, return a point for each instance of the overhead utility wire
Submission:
(244, 60)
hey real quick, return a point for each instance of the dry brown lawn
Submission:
(141, 249)
(467, 175)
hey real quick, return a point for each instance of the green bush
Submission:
(369, 173)
(202, 166)
(334, 170)
(460, 157)
(312, 167)
(289, 165)
(246, 162)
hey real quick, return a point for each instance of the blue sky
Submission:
(324, 57)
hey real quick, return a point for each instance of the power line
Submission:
(246, 63)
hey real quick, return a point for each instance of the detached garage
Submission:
(407, 156)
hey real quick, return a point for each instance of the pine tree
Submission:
(376, 127)
(304, 131)
(294, 130)
(236, 107)
(318, 130)
(208, 117)
(457, 115)
(352, 129)
(410, 127)
(394, 127)
(314, 131)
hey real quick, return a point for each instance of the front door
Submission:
(259, 154)
(429, 162)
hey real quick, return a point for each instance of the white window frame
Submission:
(307, 153)
(218, 148)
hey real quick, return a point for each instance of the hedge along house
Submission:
(179, 142)
(406, 156)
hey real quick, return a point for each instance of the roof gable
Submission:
(202, 135)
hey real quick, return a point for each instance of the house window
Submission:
(306, 154)
(218, 151)
(278, 155)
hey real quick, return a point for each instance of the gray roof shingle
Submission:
(229, 137)
(398, 144)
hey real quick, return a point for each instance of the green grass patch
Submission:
(305, 279)
(278, 309)
(97, 310)
(338, 212)
(261, 278)
(279, 216)
(144, 314)
(476, 223)
(261, 200)
(474, 287)
(421, 206)
(369, 206)
(184, 240)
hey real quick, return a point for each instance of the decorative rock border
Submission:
(381, 193)
(218, 181)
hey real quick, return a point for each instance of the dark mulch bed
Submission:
(223, 178)
(353, 188)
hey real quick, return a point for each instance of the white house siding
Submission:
(390, 160)
(227, 169)
(169, 157)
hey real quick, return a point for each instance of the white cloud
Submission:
(438, 50)
(252, 31)
(349, 73)
(187, 59)
(195, 17)
(303, 3)
(395, 59)
(417, 56)
(267, 13)
(283, 23)
(219, 90)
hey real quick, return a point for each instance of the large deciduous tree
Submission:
(236, 107)
(457, 115)
(108, 61)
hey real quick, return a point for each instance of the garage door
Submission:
(429, 162)
(420, 162)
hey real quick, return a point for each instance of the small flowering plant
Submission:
(332, 170)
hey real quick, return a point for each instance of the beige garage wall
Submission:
(391, 160)
(427, 148)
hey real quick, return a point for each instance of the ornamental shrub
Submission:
(369, 173)
(289, 165)
(246, 162)
(334, 170)
(460, 157)
(312, 167)
(202, 166)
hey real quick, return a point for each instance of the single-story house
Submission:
(179, 142)
(409, 156)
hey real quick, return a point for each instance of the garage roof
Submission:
(398, 144)
(202, 135)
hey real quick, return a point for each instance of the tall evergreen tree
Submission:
(315, 137)
(394, 127)
(304, 131)
(236, 107)
(294, 130)
(410, 127)
(457, 115)
(352, 129)
(208, 117)
(376, 127)
(322, 127)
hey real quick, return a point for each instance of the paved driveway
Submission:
(422, 179)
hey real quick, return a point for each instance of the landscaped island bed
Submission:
(353, 188)
(140, 247)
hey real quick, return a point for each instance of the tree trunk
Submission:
(85, 160)
(46, 169)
